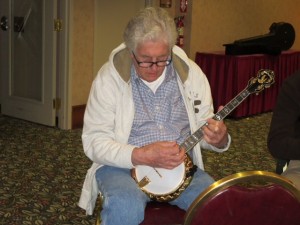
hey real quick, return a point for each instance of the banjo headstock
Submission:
(264, 79)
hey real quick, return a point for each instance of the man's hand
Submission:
(164, 154)
(215, 132)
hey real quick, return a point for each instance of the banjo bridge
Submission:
(143, 182)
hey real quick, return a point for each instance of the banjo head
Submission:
(161, 181)
(163, 185)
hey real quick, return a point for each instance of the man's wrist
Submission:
(224, 145)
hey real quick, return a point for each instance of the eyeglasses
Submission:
(150, 64)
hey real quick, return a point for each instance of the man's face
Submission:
(150, 52)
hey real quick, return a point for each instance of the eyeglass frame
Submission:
(168, 62)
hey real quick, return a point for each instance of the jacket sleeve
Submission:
(99, 135)
(284, 133)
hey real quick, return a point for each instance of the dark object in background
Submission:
(280, 38)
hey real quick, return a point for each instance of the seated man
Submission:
(284, 134)
(145, 101)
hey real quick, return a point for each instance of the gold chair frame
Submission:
(239, 178)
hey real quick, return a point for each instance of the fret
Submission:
(234, 103)
(190, 141)
(229, 107)
(227, 110)
(183, 145)
(194, 138)
(240, 98)
(199, 133)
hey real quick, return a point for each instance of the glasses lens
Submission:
(145, 64)
(158, 63)
(149, 64)
(163, 63)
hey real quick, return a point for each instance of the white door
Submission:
(28, 65)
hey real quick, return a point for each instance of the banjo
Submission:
(164, 185)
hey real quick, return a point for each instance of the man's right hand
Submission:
(164, 154)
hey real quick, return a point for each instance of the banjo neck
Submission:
(197, 136)
(264, 79)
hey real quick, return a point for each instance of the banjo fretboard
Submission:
(264, 79)
(193, 139)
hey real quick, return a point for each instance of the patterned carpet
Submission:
(42, 168)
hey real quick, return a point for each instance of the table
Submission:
(228, 75)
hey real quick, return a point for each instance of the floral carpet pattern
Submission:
(42, 168)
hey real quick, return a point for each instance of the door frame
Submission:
(63, 69)
(63, 81)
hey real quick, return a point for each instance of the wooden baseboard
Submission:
(77, 116)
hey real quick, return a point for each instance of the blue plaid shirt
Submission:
(159, 116)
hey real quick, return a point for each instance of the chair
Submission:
(162, 213)
(251, 198)
(159, 213)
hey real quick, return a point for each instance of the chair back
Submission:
(254, 197)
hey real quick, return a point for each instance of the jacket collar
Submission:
(122, 62)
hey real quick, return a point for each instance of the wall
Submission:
(216, 22)
(98, 27)
(111, 18)
(82, 48)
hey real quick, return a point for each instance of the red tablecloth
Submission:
(228, 75)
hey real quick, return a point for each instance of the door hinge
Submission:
(56, 103)
(57, 25)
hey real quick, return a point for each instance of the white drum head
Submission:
(162, 181)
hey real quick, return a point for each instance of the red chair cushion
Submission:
(158, 213)
(257, 206)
